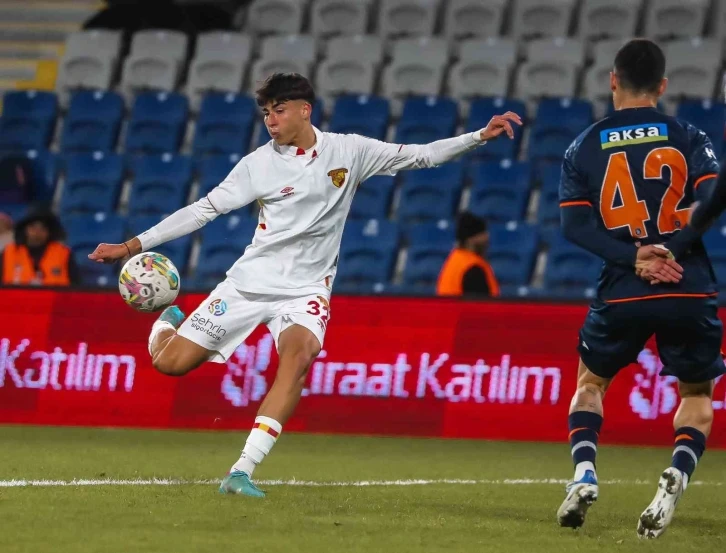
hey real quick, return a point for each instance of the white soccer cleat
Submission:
(580, 496)
(656, 518)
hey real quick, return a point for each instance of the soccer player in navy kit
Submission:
(628, 183)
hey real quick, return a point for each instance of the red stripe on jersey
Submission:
(570, 204)
(703, 178)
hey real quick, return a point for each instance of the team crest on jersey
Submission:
(634, 134)
(338, 176)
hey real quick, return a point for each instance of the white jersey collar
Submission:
(310, 153)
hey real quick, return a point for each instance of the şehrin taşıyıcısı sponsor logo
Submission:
(208, 327)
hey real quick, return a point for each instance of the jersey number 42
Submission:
(632, 212)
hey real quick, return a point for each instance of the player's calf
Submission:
(171, 354)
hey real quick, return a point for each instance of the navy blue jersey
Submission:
(639, 170)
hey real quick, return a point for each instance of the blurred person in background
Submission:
(37, 256)
(466, 271)
(6, 230)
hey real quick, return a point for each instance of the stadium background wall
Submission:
(395, 366)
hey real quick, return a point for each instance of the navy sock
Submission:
(584, 431)
(689, 446)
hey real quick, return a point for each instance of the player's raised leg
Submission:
(297, 347)
(172, 354)
(692, 425)
(585, 421)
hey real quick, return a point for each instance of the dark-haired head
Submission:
(638, 72)
(287, 102)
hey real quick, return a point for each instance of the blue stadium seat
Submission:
(176, 250)
(715, 242)
(263, 137)
(223, 241)
(549, 200)
(364, 115)
(373, 198)
(423, 264)
(708, 116)
(213, 170)
(368, 252)
(482, 110)
(558, 122)
(425, 120)
(570, 266)
(84, 233)
(27, 176)
(440, 233)
(93, 121)
(431, 194)
(225, 124)
(500, 190)
(157, 124)
(512, 252)
(161, 183)
(93, 182)
(28, 120)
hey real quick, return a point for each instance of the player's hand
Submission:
(110, 253)
(656, 264)
(500, 124)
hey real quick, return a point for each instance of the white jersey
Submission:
(304, 201)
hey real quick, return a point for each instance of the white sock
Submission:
(263, 436)
(580, 469)
(685, 480)
(157, 327)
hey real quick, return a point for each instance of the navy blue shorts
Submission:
(688, 334)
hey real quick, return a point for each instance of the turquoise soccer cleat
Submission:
(238, 482)
(172, 315)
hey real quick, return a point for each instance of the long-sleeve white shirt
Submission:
(305, 199)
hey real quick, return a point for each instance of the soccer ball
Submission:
(149, 282)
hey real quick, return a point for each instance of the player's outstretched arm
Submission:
(384, 158)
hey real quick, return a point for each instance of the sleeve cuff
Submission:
(476, 138)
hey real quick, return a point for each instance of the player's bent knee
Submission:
(169, 366)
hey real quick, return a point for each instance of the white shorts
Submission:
(227, 317)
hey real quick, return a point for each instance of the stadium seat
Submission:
(423, 264)
(596, 84)
(431, 194)
(155, 61)
(426, 119)
(176, 250)
(667, 19)
(373, 198)
(28, 120)
(568, 265)
(473, 18)
(89, 61)
(275, 16)
(223, 242)
(28, 177)
(398, 18)
(542, 18)
(549, 199)
(441, 233)
(481, 112)
(552, 68)
(225, 124)
(157, 123)
(339, 17)
(367, 253)
(93, 182)
(84, 232)
(484, 68)
(500, 191)
(557, 124)
(160, 184)
(512, 252)
(602, 19)
(93, 122)
(708, 116)
(294, 46)
(364, 115)
(219, 64)
(213, 170)
(350, 67)
(368, 48)
(264, 67)
(417, 67)
(693, 68)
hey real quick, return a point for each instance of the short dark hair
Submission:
(640, 65)
(282, 87)
(469, 225)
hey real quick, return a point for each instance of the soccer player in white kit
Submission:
(304, 180)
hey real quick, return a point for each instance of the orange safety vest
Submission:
(18, 266)
(451, 278)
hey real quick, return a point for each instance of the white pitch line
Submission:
(317, 484)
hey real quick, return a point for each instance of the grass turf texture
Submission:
(437, 517)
